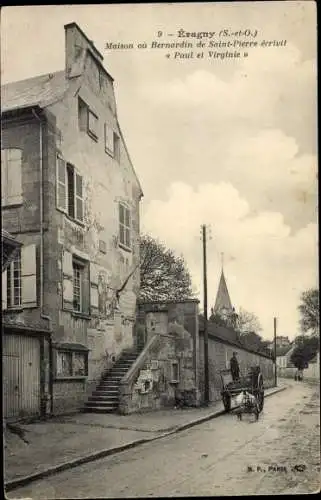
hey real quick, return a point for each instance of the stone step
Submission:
(102, 403)
(103, 391)
(107, 388)
(111, 385)
(109, 398)
(100, 409)
(118, 372)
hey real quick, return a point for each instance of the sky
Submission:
(230, 143)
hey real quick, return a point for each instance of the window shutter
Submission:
(11, 173)
(4, 175)
(15, 176)
(109, 139)
(79, 201)
(68, 292)
(4, 290)
(28, 276)
(61, 184)
(94, 298)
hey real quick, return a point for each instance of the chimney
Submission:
(76, 45)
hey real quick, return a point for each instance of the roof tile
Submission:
(41, 90)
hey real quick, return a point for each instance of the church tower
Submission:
(223, 305)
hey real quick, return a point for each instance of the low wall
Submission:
(287, 372)
(162, 376)
(68, 396)
(219, 354)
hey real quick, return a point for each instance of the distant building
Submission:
(223, 305)
(282, 341)
(283, 356)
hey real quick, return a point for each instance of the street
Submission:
(278, 454)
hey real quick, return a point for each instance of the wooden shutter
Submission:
(109, 139)
(28, 276)
(127, 224)
(79, 200)
(11, 171)
(94, 298)
(85, 289)
(4, 176)
(68, 292)
(15, 176)
(61, 189)
(4, 290)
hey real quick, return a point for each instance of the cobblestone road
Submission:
(278, 454)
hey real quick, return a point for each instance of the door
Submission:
(21, 375)
(11, 385)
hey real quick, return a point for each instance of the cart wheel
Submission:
(226, 402)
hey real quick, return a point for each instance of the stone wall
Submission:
(219, 354)
(163, 375)
(68, 396)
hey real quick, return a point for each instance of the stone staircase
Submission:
(105, 399)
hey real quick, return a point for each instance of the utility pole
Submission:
(206, 374)
(275, 367)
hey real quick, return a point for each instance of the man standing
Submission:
(234, 367)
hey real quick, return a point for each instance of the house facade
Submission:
(283, 356)
(71, 196)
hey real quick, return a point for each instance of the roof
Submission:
(229, 336)
(70, 346)
(223, 300)
(282, 351)
(40, 90)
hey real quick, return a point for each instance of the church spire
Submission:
(223, 304)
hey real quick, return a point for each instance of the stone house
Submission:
(71, 196)
(283, 356)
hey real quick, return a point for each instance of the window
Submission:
(64, 364)
(79, 364)
(78, 274)
(71, 363)
(87, 119)
(69, 190)
(11, 176)
(14, 282)
(124, 226)
(112, 143)
(175, 371)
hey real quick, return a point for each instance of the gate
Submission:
(21, 376)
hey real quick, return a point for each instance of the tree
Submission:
(306, 348)
(163, 276)
(247, 322)
(309, 311)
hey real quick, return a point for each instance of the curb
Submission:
(23, 481)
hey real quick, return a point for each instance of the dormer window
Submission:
(87, 119)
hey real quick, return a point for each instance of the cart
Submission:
(252, 384)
